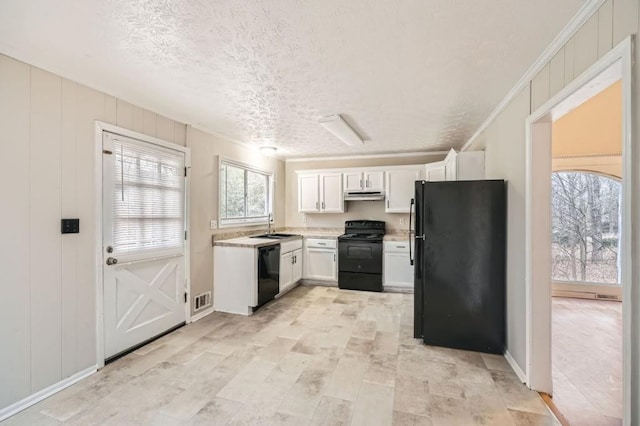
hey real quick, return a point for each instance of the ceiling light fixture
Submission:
(340, 129)
(268, 151)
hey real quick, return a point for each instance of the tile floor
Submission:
(317, 356)
(587, 361)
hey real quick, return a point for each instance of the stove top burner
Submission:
(362, 237)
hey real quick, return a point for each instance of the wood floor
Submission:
(587, 361)
(318, 356)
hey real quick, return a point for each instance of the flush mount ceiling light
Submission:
(268, 151)
(340, 129)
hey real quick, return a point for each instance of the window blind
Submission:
(148, 198)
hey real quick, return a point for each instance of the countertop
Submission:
(328, 233)
(396, 237)
(249, 242)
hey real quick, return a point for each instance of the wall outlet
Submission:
(214, 224)
(402, 220)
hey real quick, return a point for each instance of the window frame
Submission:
(245, 221)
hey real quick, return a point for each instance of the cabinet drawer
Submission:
(321, 242)
(288, 246)
(396, 246)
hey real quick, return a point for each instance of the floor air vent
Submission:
(201, 301)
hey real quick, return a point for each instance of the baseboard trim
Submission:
(397, 289)
(555, 411)
(514, 365)
(319, 283)
(201, 315)
(32, 399)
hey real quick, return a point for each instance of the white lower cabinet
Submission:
(398, 271)
(290, 264)
(320, 259)
(297, 266)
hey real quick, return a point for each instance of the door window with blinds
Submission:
(148, 199)
(246, 194)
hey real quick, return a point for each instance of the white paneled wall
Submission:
(47, 290)
(612, 23)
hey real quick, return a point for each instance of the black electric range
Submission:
(360, 255)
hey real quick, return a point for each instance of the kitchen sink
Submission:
(275, 236)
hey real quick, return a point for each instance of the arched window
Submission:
(586, 227)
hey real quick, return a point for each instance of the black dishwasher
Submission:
(268, 273)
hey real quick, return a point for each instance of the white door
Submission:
(297, 266)
(332, 198)
(374, 181)
(400, 189)
(308, 193)
(321, 264)
(353, 181)
(144, 245)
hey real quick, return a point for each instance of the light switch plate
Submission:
(214, 224)
(402, 220)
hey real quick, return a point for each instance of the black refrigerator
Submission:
(459, 264)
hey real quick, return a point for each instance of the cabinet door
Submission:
(470, 165)
(451, 166)
(286, 270)
(451, 170)
(374, 181)
(332, 198)
(398, 272)
(308, 200)
(353, 181)
(435, 172)
(320, 264)
(297, 266)
(400, 190)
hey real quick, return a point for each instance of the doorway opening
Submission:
(586, 292)
(578, 208)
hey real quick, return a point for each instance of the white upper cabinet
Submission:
(308, 193)
(470, 165)
(374, 181)
(353, 181)
(435, 172)
(320, 193)
(331, 195)
(364, 181)
(450, 166)
(400, 189)
(467, 165)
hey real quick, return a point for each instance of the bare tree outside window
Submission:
(586, 227)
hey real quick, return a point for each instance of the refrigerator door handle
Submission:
(413, 201)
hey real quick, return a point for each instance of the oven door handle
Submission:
(413, 201)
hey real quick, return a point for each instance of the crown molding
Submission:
(579, 19)
(367, 156)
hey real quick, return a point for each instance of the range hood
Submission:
(364, 196)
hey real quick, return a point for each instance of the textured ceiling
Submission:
(410, 75)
